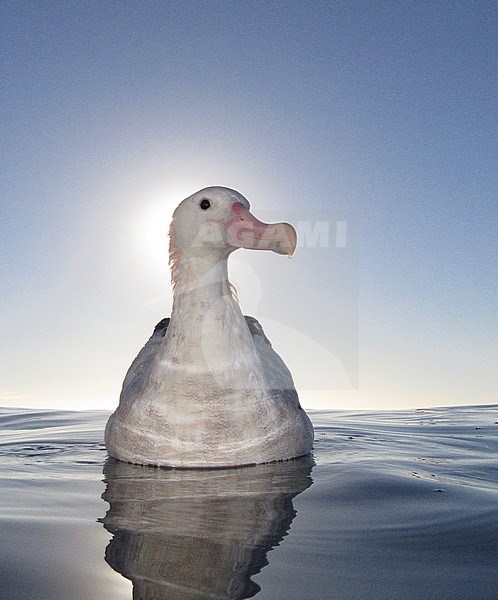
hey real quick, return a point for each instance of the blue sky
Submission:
(380, 116)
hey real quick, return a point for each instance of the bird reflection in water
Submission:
(198, 534)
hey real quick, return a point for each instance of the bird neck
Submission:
(207, 328)
(199, 281)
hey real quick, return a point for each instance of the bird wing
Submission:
(278, 375)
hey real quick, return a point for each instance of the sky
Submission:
(371, 126)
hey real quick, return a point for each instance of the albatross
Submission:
(207, 389)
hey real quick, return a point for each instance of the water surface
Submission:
(393, 504)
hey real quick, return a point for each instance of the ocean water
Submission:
(392, 505)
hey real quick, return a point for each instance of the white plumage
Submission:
(207, 389)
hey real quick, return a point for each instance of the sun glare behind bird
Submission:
(151, 225)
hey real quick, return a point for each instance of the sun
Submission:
(151, 226)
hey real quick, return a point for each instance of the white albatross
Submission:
(207, 389)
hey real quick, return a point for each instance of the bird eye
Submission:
(205, 204)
